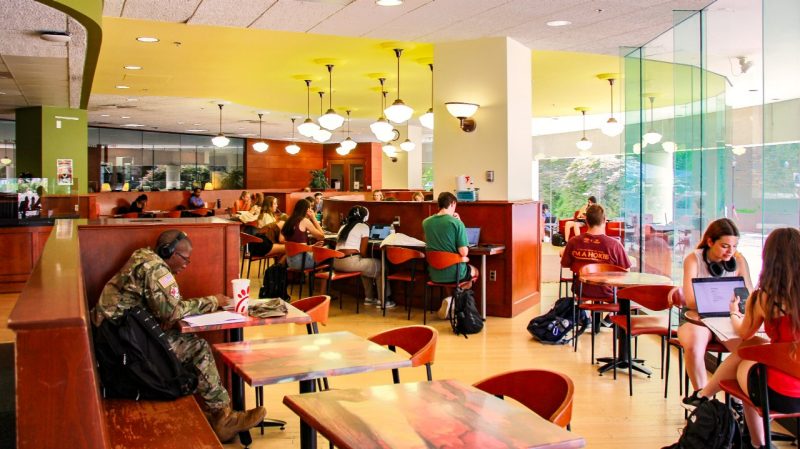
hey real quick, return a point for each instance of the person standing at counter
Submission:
(446, 232)
(302, 223)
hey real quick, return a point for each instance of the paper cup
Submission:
(241, 295)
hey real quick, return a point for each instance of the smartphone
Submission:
(742, 294)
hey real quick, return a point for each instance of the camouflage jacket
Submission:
(146, 280)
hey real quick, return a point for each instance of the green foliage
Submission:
(427, 176)
(318, 179)
(566, 183)
(233, 180)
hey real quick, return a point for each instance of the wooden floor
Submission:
(603, 412)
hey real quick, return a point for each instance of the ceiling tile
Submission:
(165, 11)
(295, 15)
(220, 12)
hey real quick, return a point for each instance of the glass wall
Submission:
(7, 149)
(565, 183)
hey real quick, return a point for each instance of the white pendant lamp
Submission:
(292, 148)
(407, 145)
(260, 147)
(5, 160)
(584, 144)
(321, 135)
(651, 137)
(737, 150)
(669, 146)
(611, 127)
(342, 151)
(308, 127)
(398, 112)
(348, 143)
(381, 127)
(390, 150)
(330, 120)
(426, 119)
(220, 140)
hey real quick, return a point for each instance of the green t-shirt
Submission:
(445, 233)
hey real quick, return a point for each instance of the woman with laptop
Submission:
(353, 242)
(715, 257)
(776, 304)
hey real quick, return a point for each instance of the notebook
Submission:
(713, 295)
(473, 236)
(379, 231)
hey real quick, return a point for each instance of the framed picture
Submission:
(64, 172)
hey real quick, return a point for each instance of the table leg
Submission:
(308, 436)
(237, 391)
(382, 298)
(622, 347)
(483, 285)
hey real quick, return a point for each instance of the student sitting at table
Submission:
(715, 256)
(574, 226)
(353, 242)
(269, 212)
(243, 203)
(251, 215)
(139, 204)
(776, 304)
(418, 197)
(377, 196)
(300, 224)
(272, 232)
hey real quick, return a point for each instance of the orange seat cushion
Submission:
(337, 275)
(650, 324)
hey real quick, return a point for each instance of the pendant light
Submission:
(321, 135)
(426, 119)
(611, 127)
(5, 160)
(330, 120)
(398, 112)
(651, 137)
(583, 144)
(407, 145)
(348, 143)
(308, 127)
(381, 127)
(220, 140)
(292, 148)
(261, 146)
(390, 150)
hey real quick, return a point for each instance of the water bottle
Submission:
(219, 203)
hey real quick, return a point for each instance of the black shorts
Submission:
(777, 402)
(580, 220)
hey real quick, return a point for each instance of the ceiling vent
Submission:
(55, 36)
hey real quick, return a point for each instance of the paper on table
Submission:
(210, 319)
(401, 240)
(722, 328)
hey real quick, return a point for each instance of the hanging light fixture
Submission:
(398, 112)
(261, 146)
(308, 127)
(669, 146)
(381, 127)
(584, 144)
(426, 119)
(407, 145)
(330, 120)
(5, 160)
(611, 127)
(348, 143)
(651, 137)
(321, 135)
(342, 151)
(390, 150)
(220, 140)
(637, 148)
(737, 150)
(292, 148)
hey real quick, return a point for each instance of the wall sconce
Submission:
(463, 112)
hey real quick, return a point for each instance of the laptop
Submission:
(379, 231)
(713, 295)
(473, 236)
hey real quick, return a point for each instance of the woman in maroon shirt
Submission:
(300, 224)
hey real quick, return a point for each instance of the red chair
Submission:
(653, 297)
(293, 249)
(616, 229)
(131, 215)
(245, 241)
(323, 257)
(546, 393)
(397, 255)
(441, 260)
(775, 356)
(418, 341)
(202, 212)
(174, 214)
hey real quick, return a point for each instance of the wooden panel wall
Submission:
(277, 169)
(109, 202)
(22, 247)
(369, 152)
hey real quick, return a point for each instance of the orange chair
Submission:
(616, 229)
(546, 393)
(774, 356)
(653, 297)
(174, 214)
(397, 255)
(418, 341)
(441, 260)
(131, 215)
(202, 212)
(327, 272)
(245, 241)
(293, 249)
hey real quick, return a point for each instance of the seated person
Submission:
(353, 241)
(776, 304)
(377, 196)
(243, 203)
(251, 215)
(138, 205)
(195, 202)
(318, 197)
(580, 218)
(148, 280)
(446, 232)
(272, 232)
(269, 212)
(418, 197)
(715, 256)
(300, 224)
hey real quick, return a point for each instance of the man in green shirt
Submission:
(446, 232)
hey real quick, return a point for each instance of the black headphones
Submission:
(359, 212)
(717, 269)
(166, 250)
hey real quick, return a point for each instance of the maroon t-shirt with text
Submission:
(589, 248)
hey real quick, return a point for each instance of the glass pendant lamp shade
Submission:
(669, 146)
(342, 151)
(5, 161)
(348, 144)
(398, 112)
(292, 149)
(220, 140)
(308, 128)
(260, 147)
(390, 150)
(584, 144)
(381, 127)
(322, 135)
(612, 127)
(407, 145)
(385, 137)
(637, 148)
(331, 120)
(737, 150)
(651, 137)
(426, 119)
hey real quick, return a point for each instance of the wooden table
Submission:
(305, 358)
(426, 414)
(618, 280)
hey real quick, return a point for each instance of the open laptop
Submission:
(473, 236)
(713, 295)
(379, 231)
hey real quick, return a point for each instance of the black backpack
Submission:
(710, 426)
(135, 361)
(274, 285)
(558, 240)
(464, 316)
(554, 326)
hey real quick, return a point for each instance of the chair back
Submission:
(174, 214)
(419, 341)
(131, 215)
(322, 254)
(615, 229)
(442, 259)
(398, 255)
(593, 268)
(245, 238)
(202, 212)
(781, 356)
(653, 297)
(677, 299)
(546, 393)
(317, 307)
(294, 248)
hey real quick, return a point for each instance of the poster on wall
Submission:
(64, 171)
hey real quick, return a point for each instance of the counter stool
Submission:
(397, 255)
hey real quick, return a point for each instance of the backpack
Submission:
(554, 326)
(558, 240)
(464, 316)
(274, 285)
(135, 361)
(710, 426)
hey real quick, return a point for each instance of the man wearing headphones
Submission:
(148, 280)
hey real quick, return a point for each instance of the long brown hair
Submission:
(298, 214)
(780, 279)
(721, 227)
(266, 207)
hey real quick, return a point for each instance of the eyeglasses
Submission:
(185, 259)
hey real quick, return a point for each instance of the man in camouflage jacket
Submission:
(147, 279)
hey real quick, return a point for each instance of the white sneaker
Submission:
(389, 304)
(444, 309)
(369, 301)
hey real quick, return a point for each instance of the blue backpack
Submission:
(553, 327)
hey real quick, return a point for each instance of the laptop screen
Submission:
(713, 295)
(473, 236)
(379, 231)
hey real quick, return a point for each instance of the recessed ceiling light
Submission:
(2, 93)
(122, 86)
(133, 125)
(388, 2)
(55, 36)
(105, 115)
(147, 39)
(196, 130)
(133, 67)
(131, 99)
(197, 124)
(558, 23)
(126, 116)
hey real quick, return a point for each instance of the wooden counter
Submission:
(22, 247)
